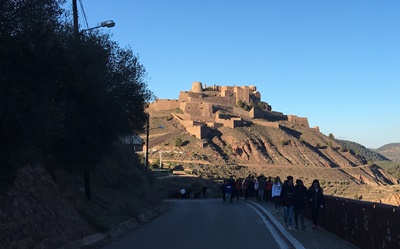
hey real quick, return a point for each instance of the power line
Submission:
(84, 14)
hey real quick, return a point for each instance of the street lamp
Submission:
(108, 24)
(105, 24)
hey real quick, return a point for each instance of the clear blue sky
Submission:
(336, 62)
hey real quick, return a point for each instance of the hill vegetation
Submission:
(66, 99)
(391, 151)
(358, 149)
(392, 168)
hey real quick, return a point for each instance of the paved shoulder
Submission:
(308, 238)
(199, 224)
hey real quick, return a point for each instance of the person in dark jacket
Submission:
(316, 198)
(222, 190)
(228, 189)
(288, 201)
(300, 193)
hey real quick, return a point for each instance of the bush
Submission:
(178, 110)
(178, 142)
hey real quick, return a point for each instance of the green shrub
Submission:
(178, 110)
(178, 142)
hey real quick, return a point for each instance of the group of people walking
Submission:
(294, 198)
(249, 187)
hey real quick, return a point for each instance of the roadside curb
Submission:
(98, 240)
(288, 237)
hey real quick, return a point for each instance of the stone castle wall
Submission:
(241, 112)
(198, 110)
(298, 120)
(256, 113)
(201, 107)
(183, 97)
(242, 93)
(164, 104)
(217, 100)
(199, 131)
(266, 123)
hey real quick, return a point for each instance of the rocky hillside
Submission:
(391, 151)
(257, 148)
(256, 143)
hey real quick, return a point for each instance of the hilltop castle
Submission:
(218, 106)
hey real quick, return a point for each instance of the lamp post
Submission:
(147, 141)
(105, 24)
(108, 24)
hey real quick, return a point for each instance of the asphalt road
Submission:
(201, 224)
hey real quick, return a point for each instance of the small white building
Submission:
(135, 141)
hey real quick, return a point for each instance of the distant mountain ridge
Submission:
(391, 151)
(369, 154)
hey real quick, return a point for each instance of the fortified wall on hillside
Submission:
(216, 106)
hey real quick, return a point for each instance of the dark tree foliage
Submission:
(360, 150)
(63, 97)
(392, 168)
(28, 73)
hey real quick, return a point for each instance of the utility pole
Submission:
(147, 141)
(75, 17)
(86, 173)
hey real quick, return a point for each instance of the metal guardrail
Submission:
(367, 225)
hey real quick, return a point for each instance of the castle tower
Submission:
(197, 87)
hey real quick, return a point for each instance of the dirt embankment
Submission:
(49, 210)
(34, 214)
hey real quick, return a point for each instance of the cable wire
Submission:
(84, 14)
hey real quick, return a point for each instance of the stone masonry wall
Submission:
(266, 123)
(198, 110)
(200, 131)
(298, 120)
(164, 104)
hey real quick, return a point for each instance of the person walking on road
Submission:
(238, 189)
(276, 193)
(300, 203)
(288, 201)
(268, 190)
(261, 188)
(222, 190)
(228, 189)
(316, 198)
